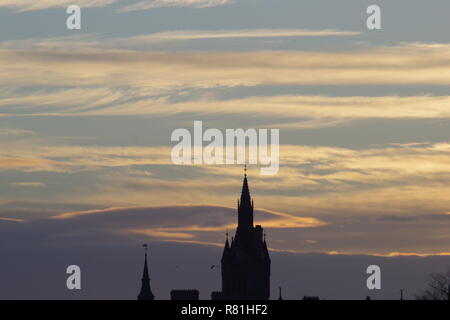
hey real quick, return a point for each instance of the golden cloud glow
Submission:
(236, 34)
(336, 179)
(28, 184)
(11, 219)
(161, 234)
(407, 64)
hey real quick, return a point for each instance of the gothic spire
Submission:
(226, 250)
(146, 291)
(245, 205)
(245, 194)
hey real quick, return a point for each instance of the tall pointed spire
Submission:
(146, 291)
(245, 194)
(245, 205)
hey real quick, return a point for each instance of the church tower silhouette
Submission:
(245, 261)
(146, 291)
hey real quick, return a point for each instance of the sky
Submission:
(86, 118)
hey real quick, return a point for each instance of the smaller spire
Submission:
(280, 297)
(145, 273)
(146, 291)
(226, 251)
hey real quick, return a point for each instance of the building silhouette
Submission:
(245, 261)
(146, 291)
(310, 298)
(185, 294)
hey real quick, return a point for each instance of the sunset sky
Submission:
(86, 118)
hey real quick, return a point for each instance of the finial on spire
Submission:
(245, 170)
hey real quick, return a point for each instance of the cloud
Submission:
(331, 184)
(103, 67)
(320, 179)
(30, 164)
(14, 132)
(123, 82)
(206, 225)
(30, 5)
(33, 155)
(11, 219)
(285, 111)
(232, 34)
(325, 111)
(175, 219)
(72, 100)
(146, 41)
(153, 4)
(162, 235)
(48, 249)
(28, 184)
(317, 178)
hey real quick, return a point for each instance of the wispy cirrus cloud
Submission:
(308, 166)
(201, 218)
(285, 111)
(153, 4)
(28, 184)
(30, 164)
(234, 34)
(30, 5)
(138, 42)
(11, 219)
(32, 156)
(112, 67)
(316, 179)
(123, 82)
(15, 132)
(206, 225)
